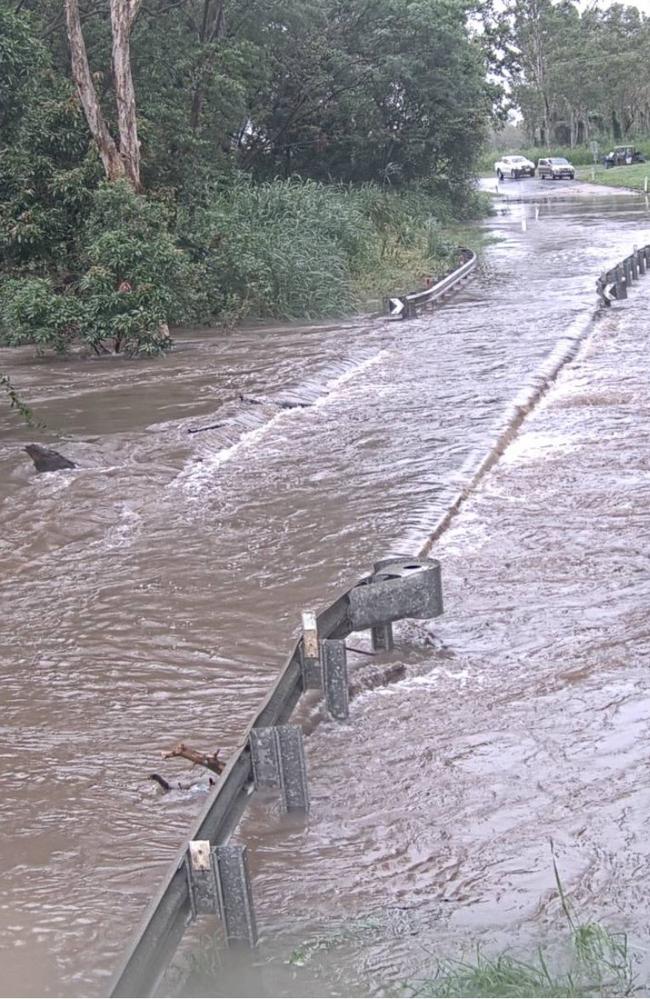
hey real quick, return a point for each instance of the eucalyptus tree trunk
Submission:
(110, 157)
(123, 13)
(213, 28)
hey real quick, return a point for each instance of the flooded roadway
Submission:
(151, 594)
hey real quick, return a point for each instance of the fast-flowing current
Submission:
(150, 596)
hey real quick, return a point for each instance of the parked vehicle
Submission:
(514, 167)
(555, 166)
(623, 156)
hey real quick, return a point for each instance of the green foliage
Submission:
(132, 281)
(22, 58)
(387, 90)
(599, 965)
(577, 72)
(136, 279)
(300, 248)
(32, 312)
(595, 963)
(390, 96)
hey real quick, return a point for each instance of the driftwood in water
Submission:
(46, 460)
(165, 785)
(209, 760)
(199, 430)
(178, 785)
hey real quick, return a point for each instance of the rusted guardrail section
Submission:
(209, 876)
(406, 306)
(612, 285)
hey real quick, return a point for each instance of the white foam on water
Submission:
(196, 475)
(533, 394)
(535, 446)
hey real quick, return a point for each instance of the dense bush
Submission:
(132, 281)
(299, 248)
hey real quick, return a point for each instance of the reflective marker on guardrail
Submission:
(406, 306)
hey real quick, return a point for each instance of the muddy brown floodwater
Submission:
(150, 595)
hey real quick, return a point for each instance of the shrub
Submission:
(133, 281)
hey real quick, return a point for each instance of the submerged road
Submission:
(150, 595)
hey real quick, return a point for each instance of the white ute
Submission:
(514, 167)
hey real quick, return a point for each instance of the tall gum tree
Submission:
(123, 160)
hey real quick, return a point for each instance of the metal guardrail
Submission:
(207, 875)
(612, 285)
(406, 306)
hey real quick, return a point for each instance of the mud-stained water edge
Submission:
(150, 595)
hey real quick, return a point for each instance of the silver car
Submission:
(555, 166)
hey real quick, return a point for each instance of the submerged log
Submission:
(46, 460)
(370, 677)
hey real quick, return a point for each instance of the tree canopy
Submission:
(577, 72)
(175, 103)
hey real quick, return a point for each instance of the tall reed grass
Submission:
(293, 249)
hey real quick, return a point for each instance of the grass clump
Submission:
(596, 963)
(599, 965)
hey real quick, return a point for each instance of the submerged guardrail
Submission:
(612, 285)
(208, 875)
(406, 306)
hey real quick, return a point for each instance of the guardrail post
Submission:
(235, 895)
(398, 589)
(640, 260)
(312, 672)
(335, 677)
(381, 637)
(278, 759)
(218, 883)
(621, 281)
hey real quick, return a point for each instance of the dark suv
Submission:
(623, 156)
(555, 166)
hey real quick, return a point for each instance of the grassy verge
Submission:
(598, 963)
(592, 962)
(298, 249)
(632, 177)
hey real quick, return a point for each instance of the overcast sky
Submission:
(643, 5)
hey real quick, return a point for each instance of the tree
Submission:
(125, 161)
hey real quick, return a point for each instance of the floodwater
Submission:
(150, 595)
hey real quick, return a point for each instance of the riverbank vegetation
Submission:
(207, 160)
(591, 961)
